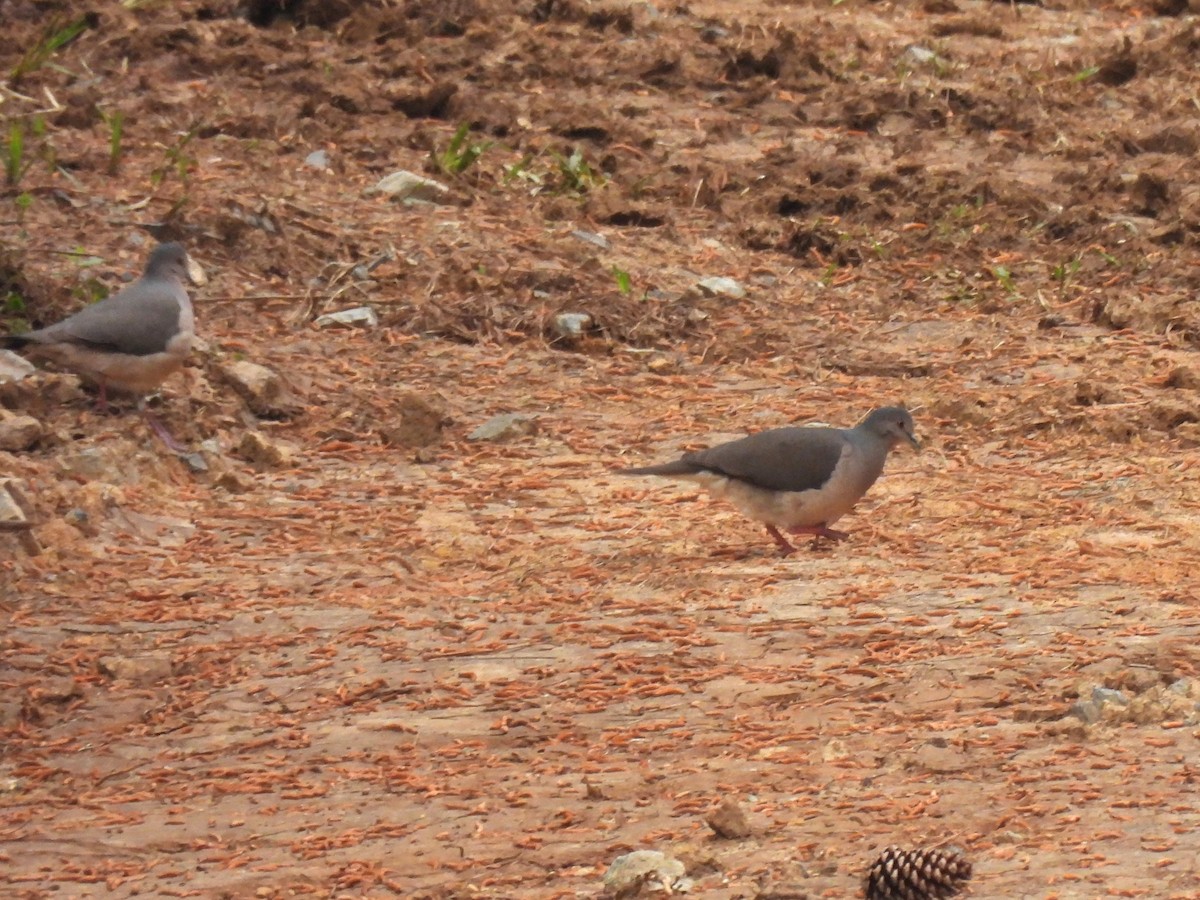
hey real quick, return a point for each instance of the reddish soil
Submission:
(397, 662)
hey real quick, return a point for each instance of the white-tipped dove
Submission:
(131, 341)
(798, 480)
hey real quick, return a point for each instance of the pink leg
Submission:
(820, 531)
(102, 400)
(784, 547)
(161, 430)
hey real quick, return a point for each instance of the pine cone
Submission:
(917, 874)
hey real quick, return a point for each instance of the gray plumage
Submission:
(132, 340)
(799, 480)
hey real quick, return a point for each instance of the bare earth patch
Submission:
(366, 656)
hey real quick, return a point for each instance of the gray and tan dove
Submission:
(131, 341)
(798, 480)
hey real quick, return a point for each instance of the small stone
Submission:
(1139, 679)
(570, 325)
(1087, 711)
(80, 519)
(1146, 710)
(318, 159)
(256, 447)
(728, 821)
(698, 857)
(418, 423)
(834, 750)
(916, 55)
(14, 367)
(1103, 696)
(260, 387)
(592, 238)
(403, 185)
(630, 871)
(93, 503)
(15, 512)
(58, 689)
(727, 287)
(18, 432)
(505, 427)
(358, 317)
(89, 463)
(166, 531)
(41, 391)
(234, 481)
(138, 669)
(194, 461)
(664, 364)
(195, 271)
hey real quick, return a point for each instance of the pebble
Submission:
(359, 316)
(404, 185)
(915, 54)
(18, 432)
(591, 237)
(504, 427)
(728, 287)
(260, 387)
(256, 447)
(1103, 695)
(630, 871)
(414, 422)
(570, 325)
(14, 507)
(728, 820)
(14, 367)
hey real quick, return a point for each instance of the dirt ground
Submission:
(382, 659)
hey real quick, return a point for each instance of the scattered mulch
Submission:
(390, 661)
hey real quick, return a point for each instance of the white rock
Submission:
(260, 387)
(504, 427)
(403, 185)
(14, 367)
(727, 286)
(358, 316)
(14, 508)
(196, 273)
(591, 237)
(18, 432)
(571, 325)
(256, 447)
(649, 867)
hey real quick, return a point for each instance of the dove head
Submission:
(893, 424)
